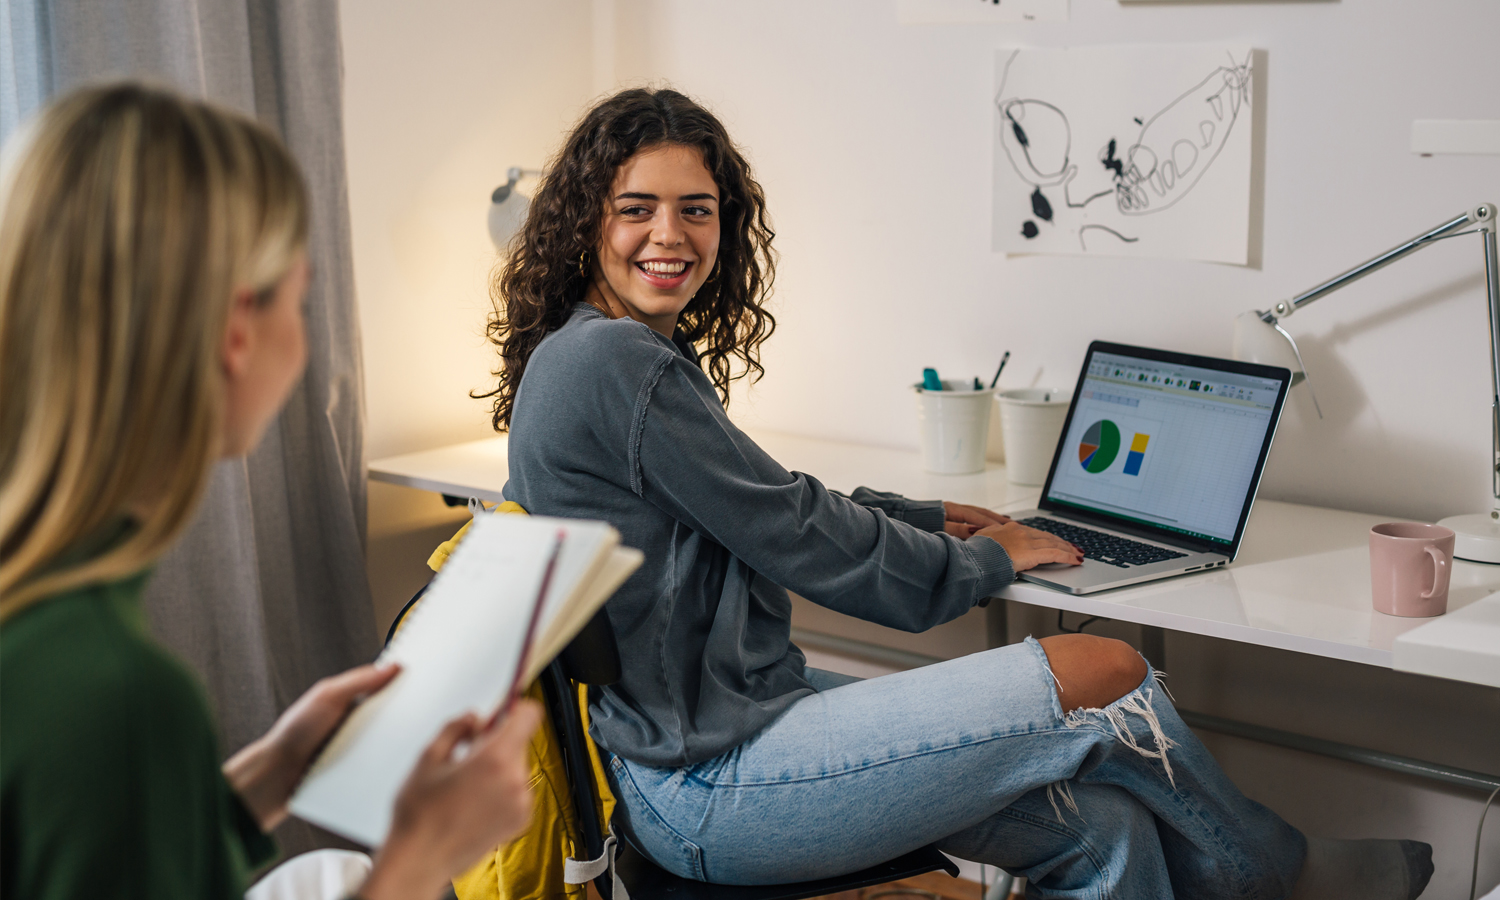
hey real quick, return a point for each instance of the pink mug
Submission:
(1410, 566)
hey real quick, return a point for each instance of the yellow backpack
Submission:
(532, 866)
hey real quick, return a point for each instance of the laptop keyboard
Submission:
(1105, 548)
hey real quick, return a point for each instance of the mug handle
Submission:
(1439, 567)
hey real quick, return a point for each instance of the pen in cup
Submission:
(996, 380)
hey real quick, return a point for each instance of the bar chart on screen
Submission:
(1137, 453)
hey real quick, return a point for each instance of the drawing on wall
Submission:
(950, 12)
(1124, 151)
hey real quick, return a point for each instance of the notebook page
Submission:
(586, 553)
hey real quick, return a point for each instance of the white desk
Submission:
(1302, 580)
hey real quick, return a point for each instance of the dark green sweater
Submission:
(109, 767)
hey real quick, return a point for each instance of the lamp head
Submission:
(508, 209)
(1259, 338)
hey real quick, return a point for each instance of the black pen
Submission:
(1003, 360)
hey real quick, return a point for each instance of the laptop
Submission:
(1158, 465)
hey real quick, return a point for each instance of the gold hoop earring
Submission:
(582, 263)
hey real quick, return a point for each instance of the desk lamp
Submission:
(508, 207)
(1259, 337)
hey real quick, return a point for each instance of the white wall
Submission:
(439, 100)
(873, 142)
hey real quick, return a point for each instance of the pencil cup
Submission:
(954, 425)
(1410, 566)
(1031, 422)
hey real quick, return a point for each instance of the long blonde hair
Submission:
(128, 221)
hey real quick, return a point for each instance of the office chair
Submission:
(593, 658)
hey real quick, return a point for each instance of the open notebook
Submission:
(460, 651)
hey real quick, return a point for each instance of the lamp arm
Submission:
(1482, 215)
(1492, 286)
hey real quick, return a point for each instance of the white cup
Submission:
(1031, 423)
(954, 425)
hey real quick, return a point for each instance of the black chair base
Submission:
(647, 881)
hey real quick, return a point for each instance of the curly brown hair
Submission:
(534, 291)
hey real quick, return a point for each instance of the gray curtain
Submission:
(266, 592)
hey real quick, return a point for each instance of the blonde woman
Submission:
(152, 269)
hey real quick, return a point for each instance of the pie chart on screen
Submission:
(1099, 447)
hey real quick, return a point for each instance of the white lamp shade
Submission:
(507, 217)
(1258, 341)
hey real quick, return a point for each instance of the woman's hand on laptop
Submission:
(963, 520)
(1029, 548)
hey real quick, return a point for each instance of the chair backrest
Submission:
(567, 720)
(593, 657)
(401, 616)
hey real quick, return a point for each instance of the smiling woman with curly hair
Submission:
(554, 264)
(631, 300)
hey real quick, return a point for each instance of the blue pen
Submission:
(930, 380)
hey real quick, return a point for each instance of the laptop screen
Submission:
(1172, 442)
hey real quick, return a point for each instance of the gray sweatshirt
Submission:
(613, 422)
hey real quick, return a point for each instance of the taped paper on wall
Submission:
(1124, 151)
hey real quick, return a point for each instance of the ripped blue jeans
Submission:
(975, 755)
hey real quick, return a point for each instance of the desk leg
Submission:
(1154, 646)
(996, 626)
